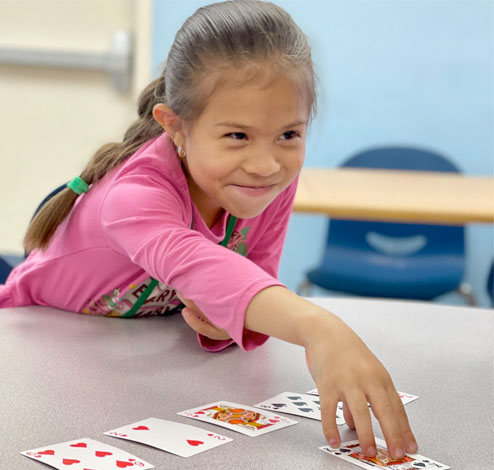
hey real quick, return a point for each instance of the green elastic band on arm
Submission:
(78, 185)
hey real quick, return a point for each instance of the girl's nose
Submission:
(262, 164)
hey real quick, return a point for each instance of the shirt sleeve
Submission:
(266, 254)
(144, 217)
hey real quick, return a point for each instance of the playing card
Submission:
(86, 454)
(299, 404)
(241, 418)
(177, 438)
(405, 397)
(351, 452)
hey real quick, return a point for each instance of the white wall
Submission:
(53, 120)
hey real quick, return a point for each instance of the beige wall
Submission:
(52, 120)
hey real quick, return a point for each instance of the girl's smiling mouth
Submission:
(254, 190)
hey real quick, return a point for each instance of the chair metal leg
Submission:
(304, 288)
(465, 290)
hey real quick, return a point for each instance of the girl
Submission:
(194, 205)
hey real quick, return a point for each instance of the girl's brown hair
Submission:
(232, 34)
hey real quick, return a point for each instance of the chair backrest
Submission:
(43, 202)
(401, 158)
(7, 263)
(47, 198)
(398, 239)
(490, 284)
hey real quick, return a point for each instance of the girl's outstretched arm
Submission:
(342, 366)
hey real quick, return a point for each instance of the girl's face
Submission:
(246, 147)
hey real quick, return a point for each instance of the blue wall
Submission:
(390, 72)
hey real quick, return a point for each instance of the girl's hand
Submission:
(345, 370)
(199, 322)
(341, 365)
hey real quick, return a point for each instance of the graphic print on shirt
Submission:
(162, 299)
(238, 240)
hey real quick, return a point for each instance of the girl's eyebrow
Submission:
(243, 126)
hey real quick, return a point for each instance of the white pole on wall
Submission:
(117, 62)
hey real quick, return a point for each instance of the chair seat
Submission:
(367, 273)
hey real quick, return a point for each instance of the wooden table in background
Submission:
(396, 196)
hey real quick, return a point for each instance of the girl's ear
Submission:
(169, 121)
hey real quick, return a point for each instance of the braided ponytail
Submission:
(53, 213)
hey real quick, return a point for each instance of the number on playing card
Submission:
(177, 438)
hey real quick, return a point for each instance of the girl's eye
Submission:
(237, 135)
(289, 135)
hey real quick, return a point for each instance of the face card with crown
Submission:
(351, 452)
(241, 418)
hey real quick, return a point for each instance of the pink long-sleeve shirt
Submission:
(134, 225)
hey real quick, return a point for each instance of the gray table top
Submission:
(65, 376)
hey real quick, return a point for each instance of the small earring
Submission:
(181, 152)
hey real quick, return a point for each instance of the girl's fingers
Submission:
(390, 412)
(187, 302)
(359, 414)
(348, 416)
(192, 320)
(328, 418)
(203, 327)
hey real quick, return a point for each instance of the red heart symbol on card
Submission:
(121, 464)
(274, 421)
(141, 428)
(70, 461)
(47, 452)
(79, 444)
(194, 443)
(102, 453)
(200, 412)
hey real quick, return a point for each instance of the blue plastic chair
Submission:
(9, 262)
(490, 284)
(393, 260)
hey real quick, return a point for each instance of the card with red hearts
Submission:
(241, 418)
(86, 454)
(176, 438)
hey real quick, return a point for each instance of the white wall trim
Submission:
(143, 31)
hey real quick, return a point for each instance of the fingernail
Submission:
(412, 447)
(371, 451)
(398, 453)
(333, 443)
